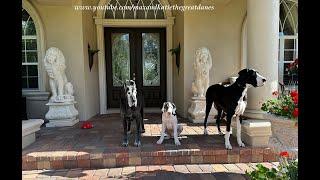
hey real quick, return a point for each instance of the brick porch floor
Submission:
(100, 147)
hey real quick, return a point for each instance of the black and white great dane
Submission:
(232, 101)
(131, 108)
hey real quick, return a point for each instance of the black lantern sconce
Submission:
(91, 53)
(176, 52)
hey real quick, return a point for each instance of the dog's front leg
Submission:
(129, 126)
(240, 143)
(175, 134)
(162, 134)
(227, 135)
(125, 132)
(137, 141)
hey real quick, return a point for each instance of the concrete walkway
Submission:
(168, 172)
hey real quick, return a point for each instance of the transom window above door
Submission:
(30, 73)
(149, 12)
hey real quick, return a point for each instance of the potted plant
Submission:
(284, 104)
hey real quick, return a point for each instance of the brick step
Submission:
(132, 156)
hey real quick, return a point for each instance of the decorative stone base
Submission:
(62, 114)
(29, 127)
(197, 110)
(255, 133)
(62, 122)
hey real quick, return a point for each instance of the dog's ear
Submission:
(162, 109)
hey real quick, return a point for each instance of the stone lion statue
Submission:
(54, 63)
(201, 67)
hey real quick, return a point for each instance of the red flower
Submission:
(295, 112)
(284, 154)
(294, 93)
(285, 108)
(295, 99)
(275, 93)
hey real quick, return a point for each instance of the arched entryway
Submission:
(139, 19)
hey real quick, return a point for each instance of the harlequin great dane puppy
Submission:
(170, 126)
(232, 101)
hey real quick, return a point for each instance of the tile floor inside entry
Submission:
(100, 147)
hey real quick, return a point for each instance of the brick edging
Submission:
(120, 158)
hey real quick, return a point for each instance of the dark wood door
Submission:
(138, 54)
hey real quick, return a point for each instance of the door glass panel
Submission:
(151, 59)
(120, 58)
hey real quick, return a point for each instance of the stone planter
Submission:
(36, 104)
(284, 134)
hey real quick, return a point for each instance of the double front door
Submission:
(138, 54)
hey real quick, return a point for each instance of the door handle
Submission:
(134, 76)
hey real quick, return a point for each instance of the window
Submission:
(288, 52)
(288, 40)
(30, 72)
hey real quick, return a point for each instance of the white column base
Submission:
(197, 111)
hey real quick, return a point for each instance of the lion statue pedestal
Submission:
(62, 114)
(61, 104)
(201, 67)
(197, 110)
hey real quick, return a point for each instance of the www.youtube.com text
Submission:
(153, 7)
